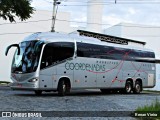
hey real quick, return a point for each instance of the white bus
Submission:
(61, 62)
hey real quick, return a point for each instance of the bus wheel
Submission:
(138, 87)
(128, 87)
(38, 92)
(62, 88)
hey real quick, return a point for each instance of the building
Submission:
(94, 15)
(146, 33)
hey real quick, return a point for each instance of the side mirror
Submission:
(13, 45)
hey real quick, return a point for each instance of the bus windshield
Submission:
(28, 59)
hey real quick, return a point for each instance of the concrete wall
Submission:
(115, 30)
(94, 15)
(148, 34)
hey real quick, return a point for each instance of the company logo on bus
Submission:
(86, 67)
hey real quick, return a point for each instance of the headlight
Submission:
(33, 80)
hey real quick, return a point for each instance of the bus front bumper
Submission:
(23, 86)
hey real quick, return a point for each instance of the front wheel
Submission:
(137, 88)
(62, 88)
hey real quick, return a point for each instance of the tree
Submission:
(9, 9)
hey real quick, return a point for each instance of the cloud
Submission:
(42, 5)
(135, 13)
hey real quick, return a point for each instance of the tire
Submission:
(137, 88)
(38, 92)
(62, 88)
(128, 87)
(105, 91)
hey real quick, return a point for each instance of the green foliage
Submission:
(153, 107)
(11, 8)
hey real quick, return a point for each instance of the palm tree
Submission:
(9, 9)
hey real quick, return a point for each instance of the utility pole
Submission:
(55, 3)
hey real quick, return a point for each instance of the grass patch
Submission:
(153, 108)
(151, 91)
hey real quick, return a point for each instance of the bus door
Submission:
(46, 68)
(55, 54)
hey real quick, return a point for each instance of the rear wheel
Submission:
(128, 87)
(138, 87)
(38, 92)
(63, 88)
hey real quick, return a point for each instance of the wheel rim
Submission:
(138, 88)
(128, 88)
(64, 87)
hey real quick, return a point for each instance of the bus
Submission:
(45, 62)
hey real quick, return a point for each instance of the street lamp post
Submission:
(55, 3)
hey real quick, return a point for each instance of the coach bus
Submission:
(45, 62)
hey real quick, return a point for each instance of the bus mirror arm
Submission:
(13, 45)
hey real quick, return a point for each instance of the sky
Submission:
(145, 12)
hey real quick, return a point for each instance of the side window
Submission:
(91, 50)
(116, 53)
(47, 56)
(82, 50)
(62, 50)
(134, 54)
(99, 51)
(150, 55)
(88, 50)
(141, 54)
(56, 52)
(110, 52)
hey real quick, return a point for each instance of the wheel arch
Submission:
(131, 80)
(140, 81)
(66, 80)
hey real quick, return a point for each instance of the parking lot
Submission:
(78, 100)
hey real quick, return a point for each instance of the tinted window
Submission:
(117, 53)
(28, 59)
(91, 50)
(141, 54)
(99, 51)
(109, 52)
(55, 52)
